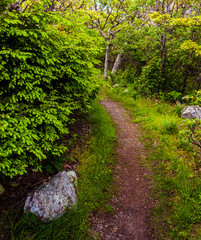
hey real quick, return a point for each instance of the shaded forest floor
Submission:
(130, 208)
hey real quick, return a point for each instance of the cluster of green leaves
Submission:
(46, 75)
(194, 98)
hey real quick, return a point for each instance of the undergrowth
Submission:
(95, 175)
(174, 162)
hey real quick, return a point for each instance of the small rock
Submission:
(115, 229)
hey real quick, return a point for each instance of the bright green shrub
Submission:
(151, 80)
(4, 4)
(174, 95)
(178, 108)
(194, 98)
(45, 76)
(169, 127)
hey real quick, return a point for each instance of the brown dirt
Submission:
(131, 218)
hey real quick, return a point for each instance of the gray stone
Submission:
(51, 199)
(1, 189)
(191, 112)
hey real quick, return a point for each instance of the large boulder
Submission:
(51, 199)
(191, 112)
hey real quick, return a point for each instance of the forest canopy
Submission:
(161, 44)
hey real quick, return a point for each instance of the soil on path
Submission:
(131, 218)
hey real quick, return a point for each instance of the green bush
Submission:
(191, 134)
(194, 98)
(178, 109)
(169, 127)
(151, 80)
(46, 73)
(173, 95)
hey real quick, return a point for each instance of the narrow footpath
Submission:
(131, 215)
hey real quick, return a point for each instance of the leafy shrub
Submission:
(178, 109)
(173, 95)
(169, 127)
(130, 75)
(3, 5)
(160, 108)
(45, 77)
(194, 98)
(192, 133)
(150, 80)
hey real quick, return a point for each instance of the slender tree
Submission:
(108, 19)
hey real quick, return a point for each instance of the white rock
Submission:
(191, 112)
(51, 199)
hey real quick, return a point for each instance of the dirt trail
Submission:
(132, 206)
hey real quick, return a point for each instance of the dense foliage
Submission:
(46, 67)
(162, 48)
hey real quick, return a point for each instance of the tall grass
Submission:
(95, 175)
(175, 165)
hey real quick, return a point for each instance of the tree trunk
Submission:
(183, 88)
(117, 63)
(107, 55)
(163, 52)
(163, 59)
